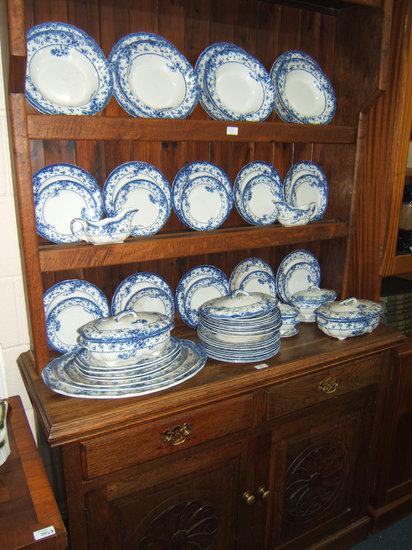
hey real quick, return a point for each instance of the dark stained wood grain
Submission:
(27, 503)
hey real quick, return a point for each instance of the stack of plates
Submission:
(306, 183)
(299, 270)
(257, 188)
(197, 286)
(67, 306)
(303, 93)
(253, 275)
(233, 84)
(202, 195)
(78, 374)
(141, 186)
(151, 78)
(63, 192)
(67, 72)
(240, 328)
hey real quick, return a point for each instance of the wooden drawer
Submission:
(165, 436)
(312, 389)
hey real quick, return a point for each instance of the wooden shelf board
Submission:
(127, 128)
(193, 243)
(403, 264)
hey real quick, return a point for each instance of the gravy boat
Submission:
(289, 215)
(107, 231)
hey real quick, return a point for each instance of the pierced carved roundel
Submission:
(184, 526)
(314, 480)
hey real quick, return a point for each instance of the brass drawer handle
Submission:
(177, 435)
(249, 498)
(263, 492)
(329, 385)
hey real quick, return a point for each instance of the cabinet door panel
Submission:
(198, 510)
(318, 471)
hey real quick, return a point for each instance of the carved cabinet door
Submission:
(318, 473)
(194, 502)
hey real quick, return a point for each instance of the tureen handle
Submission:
(125, 313)
(239, 291)
(349, 302)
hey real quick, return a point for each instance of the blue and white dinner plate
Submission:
(156, 80)
(245, 268)
(132, 284)
(217, 285)
(65, 318)
(130, 171)
(75, 288)
(300, 276)
(149, 200)
(309, 189)
(60, 202)
(67, 72)
(303, 168)
(257, 200)
(64, 171)
(299, 256)
(190, 361)
(204, 203)
(238, 85)
(152, 299)
(293, 72)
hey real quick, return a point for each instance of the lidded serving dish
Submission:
(290, 320)
(240, 304)
(309, 299)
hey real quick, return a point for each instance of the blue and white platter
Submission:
(299, 256)
(154, 79)
(152, 205)
(59, 203)
(309, 189)
(204, 203)
(303, 93)
(75, 288)
(216, 285)
(238, 84)
(133, 284)
(62, 376)
(257, 202)
(63, 321)
(57, 172)
(248, 267)
(128, 172)
(67, 72)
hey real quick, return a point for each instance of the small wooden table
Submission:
(27, 503)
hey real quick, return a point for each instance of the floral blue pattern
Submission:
(244, 268)
(59, 39)
(133, 284)
(297, 256)
(63, 171)
(71, 288)
(303, 168)
(158, 298)
(251, 191)
(307, 189)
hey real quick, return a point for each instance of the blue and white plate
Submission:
(245, 268)
(132, 284)
(204, 203)
(189, 362)
(57, 172)
(75, 288)
(238, 85)
(151, 204)
(67, 72)
(304, 93)
(63, 321)
(59, 203)
(130, 171)
(304, 258)
(301, 276)
(217, 285)
(259, 281)
(306, 190)
(303, 168)
(155, 79)
(152, 299)
(257, 203)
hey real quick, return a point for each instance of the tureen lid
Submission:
(313, 294)
(350, 309)
(126, 325)
(239, 304)
(287, 311)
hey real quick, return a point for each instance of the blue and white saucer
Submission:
(67, 72)
(134, 283)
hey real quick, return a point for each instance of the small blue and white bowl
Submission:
(308, 300)
(290, 320)
(350, 317)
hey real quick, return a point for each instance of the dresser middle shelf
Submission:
(63, 257)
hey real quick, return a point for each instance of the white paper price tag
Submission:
(232, 130)
(43, 533)
(261, 366)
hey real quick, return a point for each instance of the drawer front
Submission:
(165, 436)
(312, 389)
